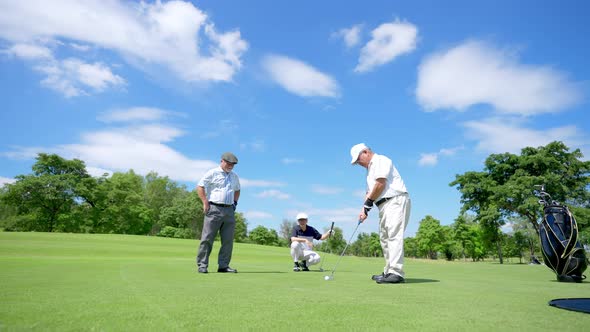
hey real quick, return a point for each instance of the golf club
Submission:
(329, 236)
(331, 277)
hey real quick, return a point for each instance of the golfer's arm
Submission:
(377, 189)
(202, 195)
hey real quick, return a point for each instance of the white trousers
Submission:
(300, 251)
(393, 219)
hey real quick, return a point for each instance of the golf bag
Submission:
(562, 252)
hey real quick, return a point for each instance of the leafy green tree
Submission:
(186, 212)
(285, 230)
(429, 237)
(449, 246)
(333, 244)
(411, 247)
(505, 186)
(241, 231)
(160, 193)
(529, 234)
(264, 236)
(367, 245)
(125, 211)
(42, 199)
(462, 233)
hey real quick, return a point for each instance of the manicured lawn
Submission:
(74, 282)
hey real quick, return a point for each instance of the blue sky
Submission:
(289, 87)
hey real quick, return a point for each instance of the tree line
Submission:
(60, 196)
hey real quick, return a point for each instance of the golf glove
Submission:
(368, 205)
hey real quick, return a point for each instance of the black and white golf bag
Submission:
(562, 252)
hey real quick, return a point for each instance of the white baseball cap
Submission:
(301, 215)
(356, 150)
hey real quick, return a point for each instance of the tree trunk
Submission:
(500, 252)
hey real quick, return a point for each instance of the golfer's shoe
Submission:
(377, 276)
(390, 278)
(227, 270)
(304, 266)
(296, 267)
(202, 270)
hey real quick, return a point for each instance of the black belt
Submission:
(385, 199)
(222, 205)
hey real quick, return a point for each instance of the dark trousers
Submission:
(218, 219)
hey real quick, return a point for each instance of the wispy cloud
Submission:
(4, 181)
(222, 128)
(431, 159)
(71, 77)
(255, 145)
(351, 36)
(300, 78)
(260, 183)
(258, 215)
(325, 190)
(389, 40)
(288, 161)
(273, 193)
(133, 114)
(175, 34)
(499, 135)
(476, 72)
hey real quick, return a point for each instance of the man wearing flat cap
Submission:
(219, 190)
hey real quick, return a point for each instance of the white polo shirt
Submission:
(382, 167)
(220, 186)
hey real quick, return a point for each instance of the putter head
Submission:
(321, 270)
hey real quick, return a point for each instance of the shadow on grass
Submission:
(261, 272)
(419, 280)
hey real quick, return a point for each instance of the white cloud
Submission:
(133, 114)
(428, 159)
(478, 73)
(288, 161)
(497, 135)
(72, 77)
(257, 215)
(389, 40)
(260, 183)
(351, 36)
(29, 51)
(300, 78)
(98, 172)
(223, 128)
(256, 145)
(431, 159)
(325, 190)
(273, 193)
(4, 181)
(174, 34)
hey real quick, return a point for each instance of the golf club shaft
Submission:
(329, 236)
(343, 251)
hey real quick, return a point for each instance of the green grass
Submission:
(65, 282)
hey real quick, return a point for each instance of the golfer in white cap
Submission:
(302, 238)
(386, 190)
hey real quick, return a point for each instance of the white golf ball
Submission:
(327, 278)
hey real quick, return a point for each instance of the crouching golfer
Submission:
(302, 238)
